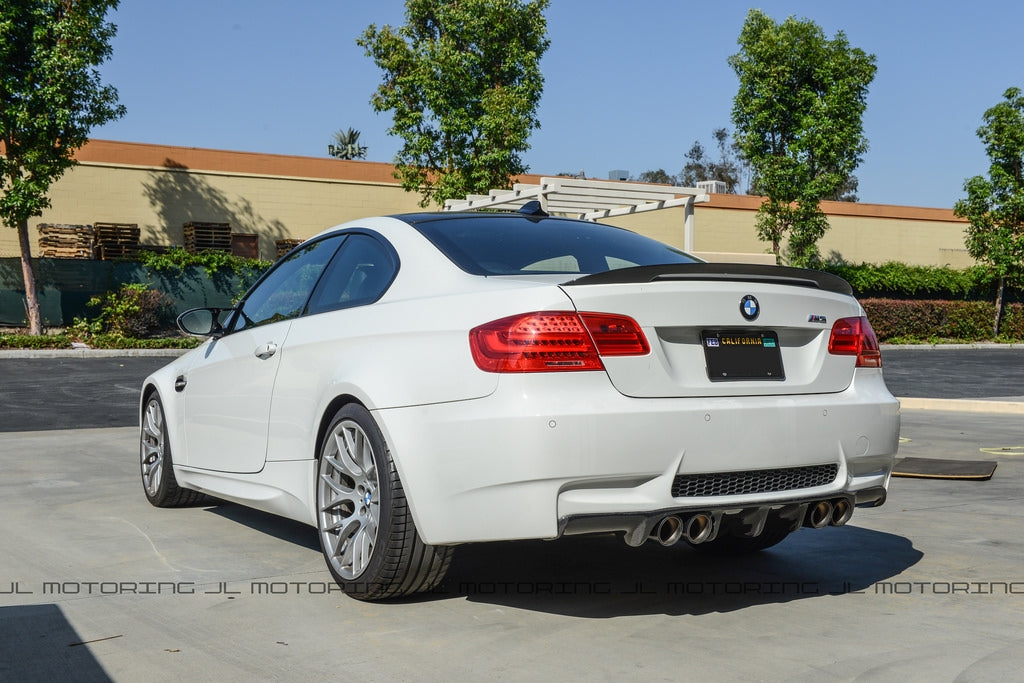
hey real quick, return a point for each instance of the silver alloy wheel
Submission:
(348, 498)
(152, 446)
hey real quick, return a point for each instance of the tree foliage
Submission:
(51, 96)
(700, 166)
(994, 205)
(658, 177)
(798, 115)
(462, 81)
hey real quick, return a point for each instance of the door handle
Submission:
(265, 351)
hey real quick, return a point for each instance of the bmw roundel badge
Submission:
(749, 307)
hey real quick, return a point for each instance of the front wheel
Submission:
(365, 527)
(158, 480)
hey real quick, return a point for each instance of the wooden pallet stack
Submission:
(200, 236)
(116, 240)
(284, 246)
(66, 241)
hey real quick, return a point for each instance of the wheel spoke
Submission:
(347, 449)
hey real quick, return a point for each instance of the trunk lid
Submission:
(693, 317)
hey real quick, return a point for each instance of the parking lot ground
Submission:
(97, 584)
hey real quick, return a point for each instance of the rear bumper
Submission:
(543, 456)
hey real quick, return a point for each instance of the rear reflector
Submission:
(554, 341)
(854, 337)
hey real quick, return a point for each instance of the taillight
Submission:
(854, 337)
(554, 341)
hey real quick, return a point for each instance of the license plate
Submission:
(747, 355)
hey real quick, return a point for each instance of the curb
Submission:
(91, 353)
(963, 405)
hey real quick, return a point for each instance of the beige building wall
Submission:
(160, 188)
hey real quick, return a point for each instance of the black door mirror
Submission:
(204, 322)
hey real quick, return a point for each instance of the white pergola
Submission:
(590, 200)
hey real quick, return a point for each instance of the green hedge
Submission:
(896, 320)
(902, 281)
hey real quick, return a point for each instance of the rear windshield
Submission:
(510, 244)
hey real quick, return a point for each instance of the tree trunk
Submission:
(35, 325)
(999, 306)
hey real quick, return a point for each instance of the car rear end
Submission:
(674, 401)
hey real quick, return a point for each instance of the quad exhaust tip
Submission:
(673, 528)
(835, 512)
(668, 531)
(698, 528)
(819, 514)
(842, 511)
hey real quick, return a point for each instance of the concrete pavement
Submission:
(95, 584)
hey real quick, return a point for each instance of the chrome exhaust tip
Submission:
(668, 531)
(819, 514)
(698, 528)
(842, 511)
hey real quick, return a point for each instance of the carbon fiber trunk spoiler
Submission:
(732, 272)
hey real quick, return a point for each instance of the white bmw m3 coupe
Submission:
(410, 383)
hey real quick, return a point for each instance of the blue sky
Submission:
(628, 85)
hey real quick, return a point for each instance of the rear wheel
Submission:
(365, 527)
(158, 480)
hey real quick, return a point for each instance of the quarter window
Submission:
(359, 274)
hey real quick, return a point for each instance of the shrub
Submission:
(133, 310)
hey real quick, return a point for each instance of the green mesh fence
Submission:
(66, 285)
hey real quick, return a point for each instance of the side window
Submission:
(360, 274)
(283, 293)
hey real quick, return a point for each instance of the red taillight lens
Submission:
(854, 337)
(616, 335)
(554, 341)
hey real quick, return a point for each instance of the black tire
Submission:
(775, 531)
(366, 530)
(158, 481)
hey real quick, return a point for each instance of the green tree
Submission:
(699, 166)
(347, 145)
(463, 81)
(50, 97)
(798, 123)
(995, 205)
(658, 177)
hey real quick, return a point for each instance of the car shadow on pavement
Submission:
(600, 577)
(282, 528)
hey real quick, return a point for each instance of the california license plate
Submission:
(746, 355)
